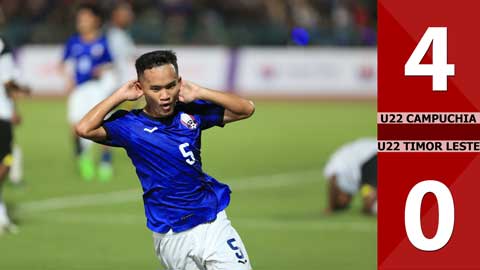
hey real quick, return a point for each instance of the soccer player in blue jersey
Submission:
(185, 207)
(88, 52)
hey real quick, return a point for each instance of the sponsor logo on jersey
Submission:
(151, 130)
(188, 121)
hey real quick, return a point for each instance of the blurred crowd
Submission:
(204, 22)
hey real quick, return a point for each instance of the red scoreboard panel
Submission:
(429, 134)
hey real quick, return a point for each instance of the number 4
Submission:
(439, 69)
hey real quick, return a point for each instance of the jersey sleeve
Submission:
(67, 49)
(8, 68)
(107, 54)
(210, 114)
(116, 127)
(7, 63)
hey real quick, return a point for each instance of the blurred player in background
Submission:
(184, 206)
(350, 170)
(89, 53)
(16, 170)
(120, 42)
(122, 48)
(9, 90)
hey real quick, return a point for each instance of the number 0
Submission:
(439, 69)
(446, 215)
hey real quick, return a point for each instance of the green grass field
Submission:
(272, 161)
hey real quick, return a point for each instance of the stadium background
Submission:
(309, 65)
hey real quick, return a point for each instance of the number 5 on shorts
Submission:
(238, 252)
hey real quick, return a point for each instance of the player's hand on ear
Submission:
(189, 92)
(131, 90)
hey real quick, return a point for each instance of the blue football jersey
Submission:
(177, 194)
(86, 56)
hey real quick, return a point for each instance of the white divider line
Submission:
(262, 223)
(356, 226)
(247, 183)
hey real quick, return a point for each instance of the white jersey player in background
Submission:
(122, 48)
(121, 43)
(352, 169)
(9, 89)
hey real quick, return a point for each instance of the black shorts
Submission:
(6, 138)
(369, 172)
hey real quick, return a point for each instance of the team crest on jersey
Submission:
(188, 121)
(97, 50)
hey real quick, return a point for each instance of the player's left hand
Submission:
(16, 118)
(189, 92)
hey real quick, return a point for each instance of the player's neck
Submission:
(90, 36)
(152, 112)
(119, 25)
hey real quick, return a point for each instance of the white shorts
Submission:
(87, 95)
(208, 246)
(83, 99)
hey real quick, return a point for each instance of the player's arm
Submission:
(332, 191)
(337, 199)
(236, 107)
(90, 127)
(14, 90)
(67, 76)
(98, 71)
(63, 67)
(9, 75)
(7, 78)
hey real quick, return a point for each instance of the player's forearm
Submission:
(62, 68)
(241, 107)
(331, 196)
(67, 77)
(14, 90)
(93, 120)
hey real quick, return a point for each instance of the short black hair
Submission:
(92, 8)
(155, 59)
(120, 4)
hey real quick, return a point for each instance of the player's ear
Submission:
(138, 85)
(179, 80)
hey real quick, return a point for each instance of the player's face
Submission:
(161, 86)
(87, 21)
(123, 16)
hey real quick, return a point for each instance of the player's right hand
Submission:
(130, 90)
